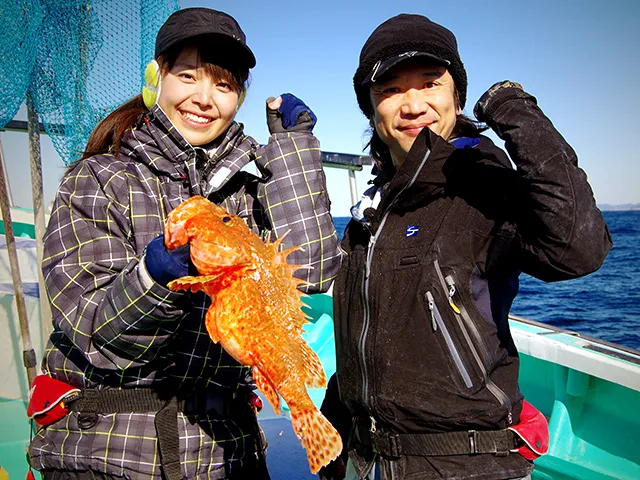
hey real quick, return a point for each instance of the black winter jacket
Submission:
(422, 299)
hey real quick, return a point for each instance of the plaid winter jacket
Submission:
(113, 328)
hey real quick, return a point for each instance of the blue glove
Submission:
(292, 116)
(165, 265)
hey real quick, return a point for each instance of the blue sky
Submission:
(579, 58)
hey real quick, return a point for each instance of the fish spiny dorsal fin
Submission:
(279, 240)
(281, 257)
(294, 317)
(287, 271)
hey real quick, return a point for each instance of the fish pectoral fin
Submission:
(222, 276)
(200, 282)
(316, 434)
(266, 387)
(193, 283)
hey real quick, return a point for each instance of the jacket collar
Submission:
(431, 171)
(157, 143)
(421, 175)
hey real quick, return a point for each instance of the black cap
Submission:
(192, 22)
(400, 38)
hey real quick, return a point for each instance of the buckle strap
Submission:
(142, 400)
(129, 400)
(471, 442)
(166, 423)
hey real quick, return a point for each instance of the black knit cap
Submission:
(399, 38)
(193, 22)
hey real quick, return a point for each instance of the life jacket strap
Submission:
(470, 442)
(92, 402)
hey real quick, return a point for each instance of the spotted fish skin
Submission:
(255, 314)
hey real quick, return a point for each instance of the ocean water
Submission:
(605, 304)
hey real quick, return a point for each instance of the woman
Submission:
(427, 372)
(157, 397)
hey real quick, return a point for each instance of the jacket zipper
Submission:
(436, 320)
(463, 318)
(365, 290)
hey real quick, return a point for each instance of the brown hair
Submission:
(108, 135)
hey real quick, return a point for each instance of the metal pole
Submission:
(28, 354)
(352, 187)
(38, 214)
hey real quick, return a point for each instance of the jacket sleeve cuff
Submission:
(497, 95)
(148, 283)
(145, 277)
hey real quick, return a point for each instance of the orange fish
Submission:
(255, 314)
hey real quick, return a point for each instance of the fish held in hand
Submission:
(255, 314)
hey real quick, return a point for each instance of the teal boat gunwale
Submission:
(582, 353)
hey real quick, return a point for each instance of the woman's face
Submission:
(199, 106)
(409, 97)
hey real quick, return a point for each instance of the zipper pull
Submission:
(510, 418)
(452, 292)
(373, 424)
(367, 265)
(431, 304)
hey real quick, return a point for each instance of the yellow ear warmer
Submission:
(151, 89)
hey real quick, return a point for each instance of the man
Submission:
(427, 372)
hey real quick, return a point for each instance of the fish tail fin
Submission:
(319, 438)
(266, 387)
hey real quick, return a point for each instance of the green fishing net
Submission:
(78, 60)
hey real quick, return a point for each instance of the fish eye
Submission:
(226, 219)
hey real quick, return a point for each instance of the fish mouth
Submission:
(209, 260)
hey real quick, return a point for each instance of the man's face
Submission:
(409, 97)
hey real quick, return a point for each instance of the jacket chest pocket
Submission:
(472, 340)
(440, 329)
